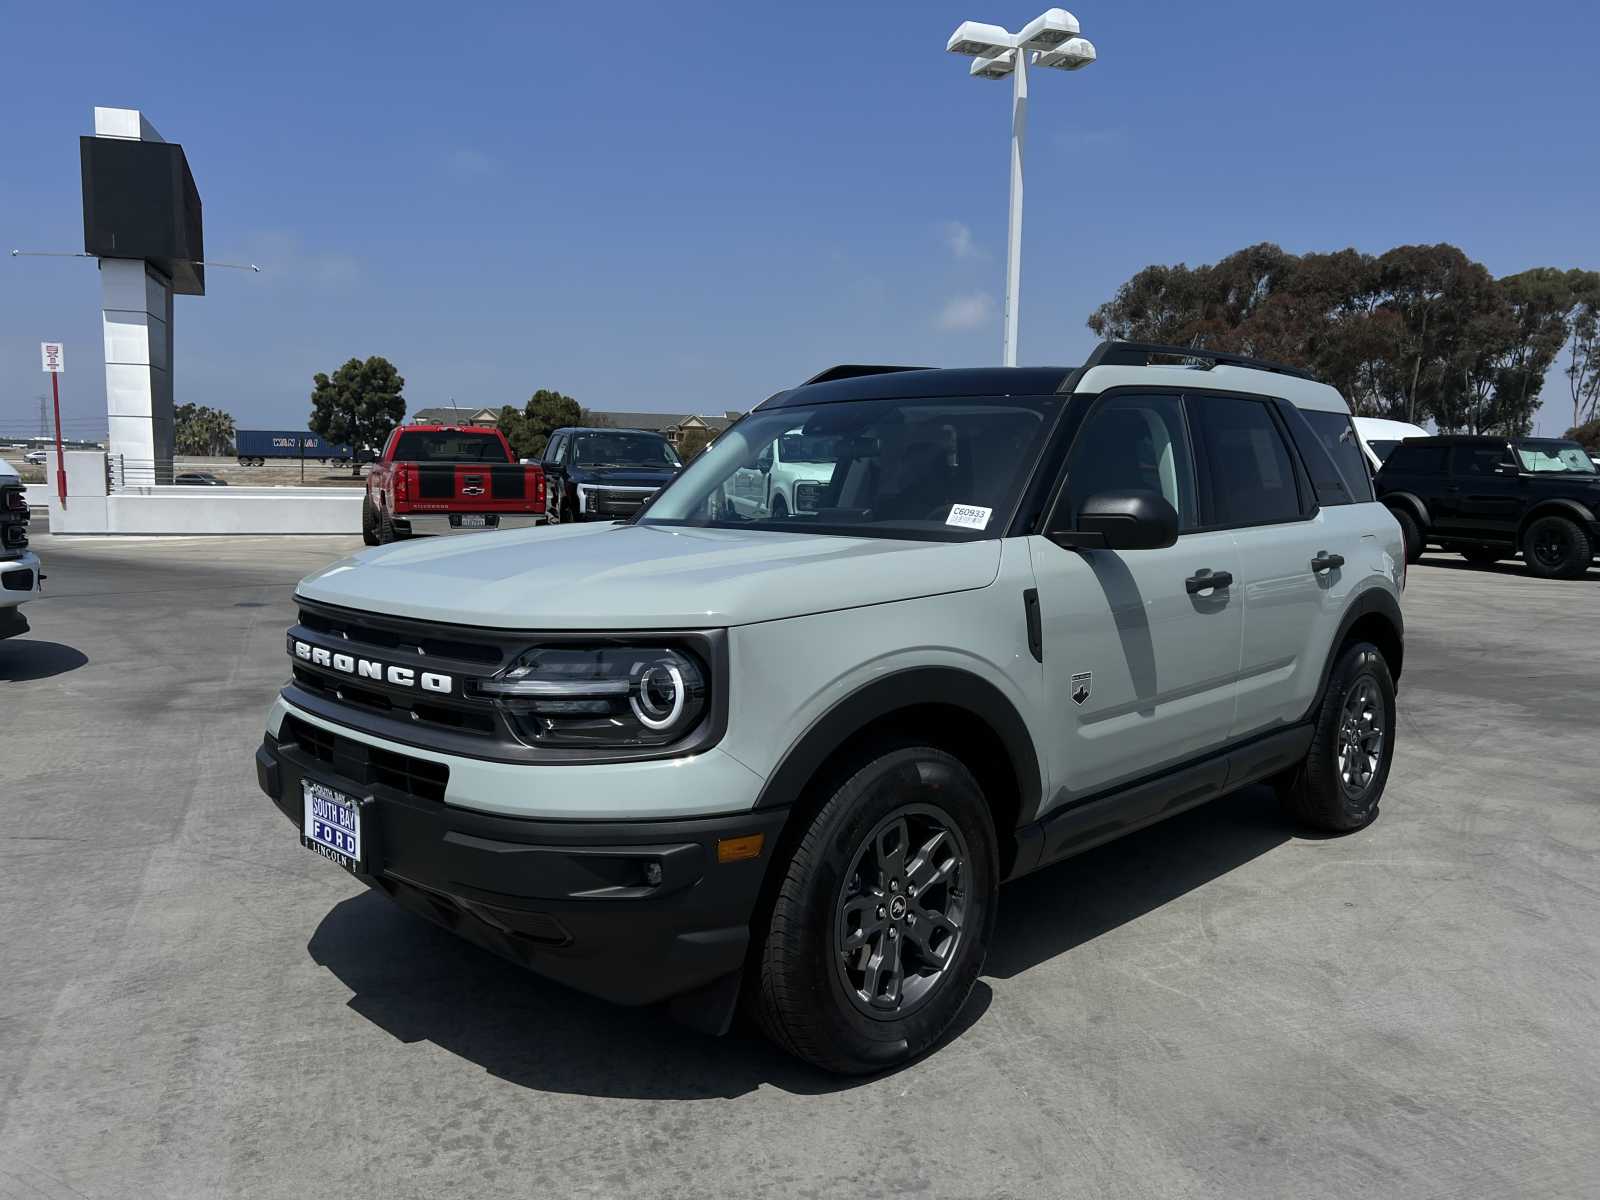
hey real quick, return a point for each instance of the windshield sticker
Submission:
(969, 516)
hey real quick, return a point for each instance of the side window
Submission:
(1413, 458)
(552, 452)
(1336, 434)
(1476, 460)
(1250, 476)
(1133, 442)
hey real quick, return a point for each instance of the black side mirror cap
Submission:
(1122, 520)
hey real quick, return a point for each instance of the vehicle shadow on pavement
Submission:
(1513, 567)
(419, 983)
(1072, 902)
(23, 660)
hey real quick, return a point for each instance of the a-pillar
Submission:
(136, 312)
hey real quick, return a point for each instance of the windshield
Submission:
(950, 468)
(1555, 456)
(622, 450)
(449, 446)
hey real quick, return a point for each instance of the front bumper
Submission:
(634, 912)
(437, 523)
(20, 578)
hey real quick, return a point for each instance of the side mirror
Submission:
(764, 465)
(1122, 520)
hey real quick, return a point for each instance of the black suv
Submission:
(604, 474)
(1488, 497)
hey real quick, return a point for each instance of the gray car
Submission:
(722, 753)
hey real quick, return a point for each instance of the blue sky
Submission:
(688, 206)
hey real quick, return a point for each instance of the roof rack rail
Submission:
(1139, 354)
(854, 371)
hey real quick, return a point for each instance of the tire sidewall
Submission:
(1576, 561)
(1362, 660)
(1411, 541)
(919, 775)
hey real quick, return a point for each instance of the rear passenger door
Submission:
(1265, 478)
(1139, 663)
(1484, 494)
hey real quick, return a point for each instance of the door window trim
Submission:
(1306, 497)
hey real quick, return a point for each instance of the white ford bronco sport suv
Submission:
(710, 754)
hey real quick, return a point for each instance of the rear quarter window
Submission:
(1336, 435)
(1415, 460)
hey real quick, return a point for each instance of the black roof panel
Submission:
(917, 383)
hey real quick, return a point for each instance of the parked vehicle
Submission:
(790, 475)
(200, 479)
(605, 474)
(20, 576)
(255, 446)
(1379, 437)
(788, 755)
(1488, 497)
(449, 479)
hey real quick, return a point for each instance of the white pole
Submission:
(1019, 122)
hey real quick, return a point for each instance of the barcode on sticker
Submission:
(969, 516)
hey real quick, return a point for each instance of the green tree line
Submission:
(1415, 333)
(201, 430)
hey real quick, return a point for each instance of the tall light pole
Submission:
(1052, 38)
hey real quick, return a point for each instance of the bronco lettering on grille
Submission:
(366, 668)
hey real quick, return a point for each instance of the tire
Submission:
(1338, 786)
(1482, 556)
(1410, 534)
(1556, 548)
(780, 509)
(369, 524)
(835, 1007)
(387, 533)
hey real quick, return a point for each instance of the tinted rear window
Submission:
(1415, 460)
(449, 446)
(1337, 434)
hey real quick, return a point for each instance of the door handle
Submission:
(1205, 578)
(1326, 562)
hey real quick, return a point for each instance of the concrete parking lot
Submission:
(191, 1005)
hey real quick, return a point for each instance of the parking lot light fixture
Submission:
(1052, 40)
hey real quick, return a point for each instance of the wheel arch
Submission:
(952, 709)
(1412, 504)
(1556, 506)
(1372, 616)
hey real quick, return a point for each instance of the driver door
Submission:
(1140, 664)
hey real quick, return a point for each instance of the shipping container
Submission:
(255, 446)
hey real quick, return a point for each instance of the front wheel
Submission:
(1338, 786)
(883, 917)
(1556, 548)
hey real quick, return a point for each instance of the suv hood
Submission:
(623, 476)
(644, 576)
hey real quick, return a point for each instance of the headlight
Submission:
(600, 695)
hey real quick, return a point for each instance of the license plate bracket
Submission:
(334, 825)
(475, 520)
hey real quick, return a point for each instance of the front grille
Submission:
(607, 502)
(377, 634)
(17, 581)
(366, 764)
(335, 688)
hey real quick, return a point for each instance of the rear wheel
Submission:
(369, 524)
(1338, 786)
(1410, 534)
(1556, 548)
(1482, 556)
(387, 533)
(883, 915)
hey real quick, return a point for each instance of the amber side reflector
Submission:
(740, 848)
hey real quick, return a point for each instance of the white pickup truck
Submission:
(20, 576)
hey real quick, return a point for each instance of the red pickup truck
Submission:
(449, 479)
